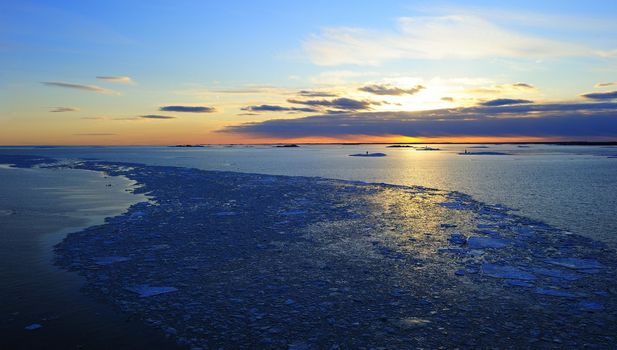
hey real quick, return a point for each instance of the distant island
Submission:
(187, 146)
(427, 149)
(368, 155)
(287, 146)
(400, 146)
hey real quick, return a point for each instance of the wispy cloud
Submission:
(503, 88)
(600, 85)
(154, 116)
(609, 95)
(82, 87)
(63, 109)
(432, 37)
(116, 79)
(523, 86)
(276, 108)
(567, 120)
(504, 102)
(307, 93)
(342, 103)
(385, 89)
(92, 118)
(188, 109)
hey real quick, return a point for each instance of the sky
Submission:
(204, 72)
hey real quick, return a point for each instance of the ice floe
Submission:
(145, 290)
(505, 271)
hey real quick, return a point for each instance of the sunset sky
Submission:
(167, 72)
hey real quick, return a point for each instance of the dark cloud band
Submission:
(567, 120)
(386, 90)
(188, 109)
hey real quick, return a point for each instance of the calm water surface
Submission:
(37, 209)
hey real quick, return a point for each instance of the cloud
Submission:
(523, 85)
(565, 120)
(275, 108)
(447, 99)
(599, 85)
(92, 118)
(307, 93)
(189, 109)
(504, 88)
(343, 103)
(116, 79)
(63, 109)
(504, 102)
(609, 95)
(154, 116)
(432, 37)
(95, 134)
(377, 89)
(91, 88)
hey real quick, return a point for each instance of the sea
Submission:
(570, 187)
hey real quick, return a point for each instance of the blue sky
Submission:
(229, 56)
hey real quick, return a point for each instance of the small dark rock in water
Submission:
(33, 327)
(447, 225)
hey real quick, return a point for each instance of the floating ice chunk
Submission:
(368, 155)
(554, 293)
(505, 271)
(587, 305)
(145, 290)
(574, 263)
(108, 260)
(225, 213)
(519, 283)
(522, 230)
(486, 242)
(452, 250)
(566, 275)
(33, 327)
(137, 215)
(457, 238)
(489, 232)
(453, 205)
